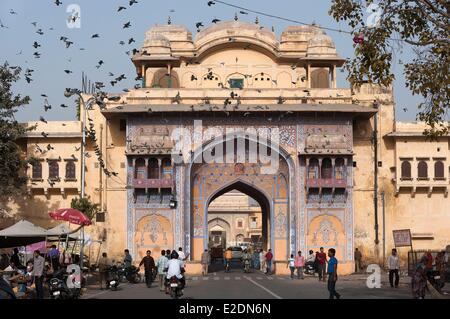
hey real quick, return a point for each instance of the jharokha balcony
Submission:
(152, 183)
(325, 183)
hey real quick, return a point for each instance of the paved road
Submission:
(256, 285)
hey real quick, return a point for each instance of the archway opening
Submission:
(238, 218)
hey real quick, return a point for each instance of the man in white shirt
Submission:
(174, 268)
(393, 264)
(38, 273)
(181, 255)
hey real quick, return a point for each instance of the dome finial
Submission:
(235, 17)
(169, 21)
(256, 20)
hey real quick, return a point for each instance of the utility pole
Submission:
(375, 170)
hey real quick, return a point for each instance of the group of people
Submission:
(25, 279)
(169, 264)
(258, 259)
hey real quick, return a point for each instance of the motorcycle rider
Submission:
(175, 268)
(246, 257)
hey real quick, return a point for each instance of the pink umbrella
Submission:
(71, 215)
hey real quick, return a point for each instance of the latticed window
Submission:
(313, 169)
(70, 170)
(53, 170)
(36, 172)
(327, 169)
(406, 170)
(153, 169)
(422, 170)
(339, 169)
(439, 170)
(139, 169)
(167, 168)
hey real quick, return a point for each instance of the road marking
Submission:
(194, 278)
(205, 278)
(226, 278)
(237, 278)
(270, 278)
(259, 278)
(262, 287)
(97, 294)
(281, 278)
(216, 278)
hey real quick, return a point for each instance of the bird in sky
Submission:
(121, 8)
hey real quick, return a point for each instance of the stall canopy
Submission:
(62, 231)
(21, 234)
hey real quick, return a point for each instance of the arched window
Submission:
(320, 78)
(327, 169)
(422, 170)
(139, 169)
(70, 170)
(53, 170)
(36, 172)
(167, 168)
(339, 169)
(153, 169)
(439, 170)
(313, 169)
(406, 170)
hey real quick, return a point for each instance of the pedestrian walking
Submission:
(358, 260)
(262, 259)
(103, 264)
(255, 258)
(321, 258)
(393, 264)
(299, 265)
(127, 259)
(205, 260)
(162, 265)
(268, 258)
(149, 267)
(53, 255)
(419, 280)
(38, 273)
(291, 265)
(332, 274)
(228, 256)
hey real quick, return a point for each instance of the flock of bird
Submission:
(115, 79)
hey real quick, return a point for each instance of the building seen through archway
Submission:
(235, 219)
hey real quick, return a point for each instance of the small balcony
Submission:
(326, 183)
(152, 183)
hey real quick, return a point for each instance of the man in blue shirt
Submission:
(332, 273)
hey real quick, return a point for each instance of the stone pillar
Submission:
(308, 72)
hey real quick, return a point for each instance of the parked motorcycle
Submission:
(63, 285)
(112, 277)
(130, 274)
(434, 278)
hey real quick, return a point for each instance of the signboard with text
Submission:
(402, 237)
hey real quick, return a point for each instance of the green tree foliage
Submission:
(85, 206)
(13, 177)
(422, 25)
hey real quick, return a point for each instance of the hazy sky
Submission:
(101, 17)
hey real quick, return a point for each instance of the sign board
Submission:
(402, 237)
